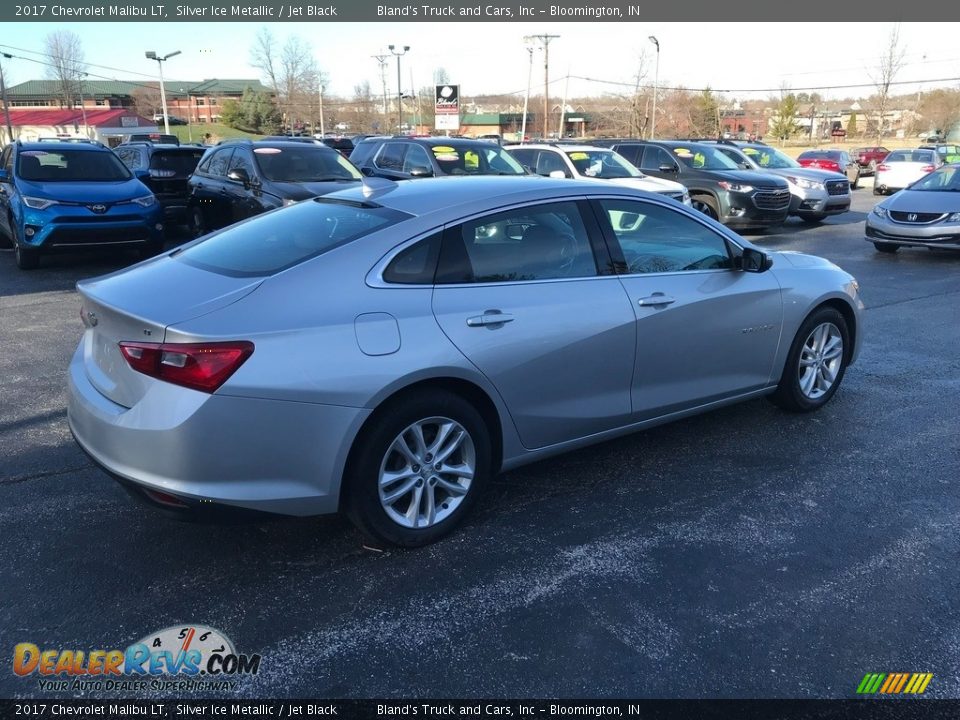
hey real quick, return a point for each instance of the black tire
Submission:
(812, 219)
(6, 239)
(886, 247)
(877, 191)
(195, 222)
(856, 182)
(372, 452)
(27, 258)
(789, 394)
(707, 205)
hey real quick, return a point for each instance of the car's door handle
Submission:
(489, 317)
(656, 299)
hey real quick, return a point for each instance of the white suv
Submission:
(586, 162)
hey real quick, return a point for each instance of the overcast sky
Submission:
(491, 58)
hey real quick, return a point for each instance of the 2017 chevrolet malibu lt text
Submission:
(387, 349)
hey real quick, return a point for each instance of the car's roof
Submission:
(429, 195)
(445, 141)
(558, 148)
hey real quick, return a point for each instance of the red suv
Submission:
(870, 157)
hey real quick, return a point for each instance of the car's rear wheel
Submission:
(886, 247)
(816, 363)
(418, 469)
(707, 205)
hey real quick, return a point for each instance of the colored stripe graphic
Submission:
(894, 683)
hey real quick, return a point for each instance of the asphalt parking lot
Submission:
(743, 553)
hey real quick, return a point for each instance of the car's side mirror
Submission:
(421, 171)
(239, 175)
(557, 174)
(4, 176)
(667, 168)
(752, 260)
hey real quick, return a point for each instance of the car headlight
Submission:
(735, 187)
(806, 184)
(145, 201)
(38, 203)
(953, 218)
(880, 211)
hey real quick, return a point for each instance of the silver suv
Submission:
(814, 194)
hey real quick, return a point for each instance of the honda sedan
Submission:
(386, 350)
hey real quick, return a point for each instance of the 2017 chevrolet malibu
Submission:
(387, 349)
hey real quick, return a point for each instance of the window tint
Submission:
(655, 239)
(276, 241)
(525, 157)
(241, 161)
(416, 265)
(71, 165)
(218, 163)
(390, 157)
(631, 153)
(180, 162)
(302, 163)
(415, 158)
(130, 157)
(654, 157)
(534, 243)
(549, 161)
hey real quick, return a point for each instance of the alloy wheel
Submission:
(820, 360)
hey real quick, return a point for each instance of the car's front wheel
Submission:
(27, 258)
(418, 469)
(706, 205)
(816, 363)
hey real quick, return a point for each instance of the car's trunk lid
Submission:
(138, 306)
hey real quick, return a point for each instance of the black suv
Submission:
(170, 167)
(241, 178)
(718, 188)
(401, 158)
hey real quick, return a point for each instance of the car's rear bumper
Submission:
(271, 456)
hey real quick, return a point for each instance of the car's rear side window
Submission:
(267, 244)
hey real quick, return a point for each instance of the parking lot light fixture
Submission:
(656, 87)
(152, 55)
(399, 54)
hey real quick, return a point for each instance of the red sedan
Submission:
(838, 161)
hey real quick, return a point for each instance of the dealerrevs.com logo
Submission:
(182, 657)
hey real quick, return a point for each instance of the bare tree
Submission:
(891, 62)
(67, 65)
(292, 74)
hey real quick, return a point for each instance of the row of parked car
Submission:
(60, 195)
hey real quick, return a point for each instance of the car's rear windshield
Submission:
(71, 166)
(923, 156)
(303, 163)
(180, 161)
(273, 242)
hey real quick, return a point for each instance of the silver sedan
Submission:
(926, 214)
(386, 350)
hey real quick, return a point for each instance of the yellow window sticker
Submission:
(578, 156)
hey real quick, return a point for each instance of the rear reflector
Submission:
(200, 366)
(883, 167)
(928, 168)
(163, 498)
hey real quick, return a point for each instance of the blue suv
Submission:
(73, 196)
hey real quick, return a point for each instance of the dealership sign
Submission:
(447, 107)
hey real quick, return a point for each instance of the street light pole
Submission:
(526, 100)
(6, 105)
(151, 55)
(83, 109)
(399, 91)
(322, 129)
(656, 88)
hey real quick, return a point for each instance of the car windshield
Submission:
(176, 162)
(918, 156)
(489, 159)
(71, 166)
(303, 163)
(269, 243)
(946, 179)
(604, 164)
(704, 157)
(770, 158)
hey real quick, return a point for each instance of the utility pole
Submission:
(544, 41)
(382, 59)
(6, 106)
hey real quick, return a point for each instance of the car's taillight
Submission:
(882, 168)
(928, 168)
(200, 366)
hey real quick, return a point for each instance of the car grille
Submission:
(103, 236)
(880, 235)
(915, 218)
(838, 187)
(772, 199)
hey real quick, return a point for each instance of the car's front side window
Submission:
(219, 162)
(656, 239)
(390, 157)
(540, 242)
(416, 159)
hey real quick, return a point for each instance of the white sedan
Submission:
(902, 168)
